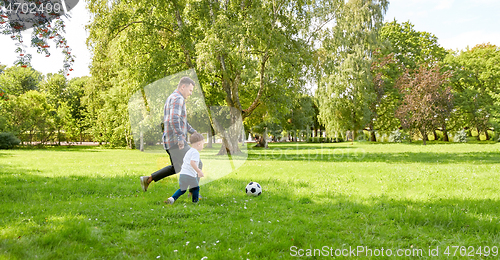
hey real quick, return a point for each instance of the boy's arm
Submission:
(194, 164)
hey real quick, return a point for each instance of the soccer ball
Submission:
(253, 189)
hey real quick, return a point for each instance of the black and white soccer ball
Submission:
(253, 189)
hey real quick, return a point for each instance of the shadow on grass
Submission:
(53, 216)
(362, 155)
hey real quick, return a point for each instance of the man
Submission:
(175, 131)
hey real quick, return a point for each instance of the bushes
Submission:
(396, 136)
(324, 140)
(460, 136)
(8, 140)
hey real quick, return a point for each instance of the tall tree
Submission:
(264, 37)
(55, 85)
(246, 52)
(409, 47)
(476, 73)
(402, 47)
(76, 91)
(385, 71)
(346, 91)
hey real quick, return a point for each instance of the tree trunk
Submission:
(209, 143)
(445, 135)
(424, 136)
(435, 134)
(231, 133)
(262, 142)
(373, 137)
(478, 134)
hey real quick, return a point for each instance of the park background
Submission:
(352, 98)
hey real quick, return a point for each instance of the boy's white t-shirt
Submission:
(191, 155)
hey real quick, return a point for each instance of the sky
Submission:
(456, 23)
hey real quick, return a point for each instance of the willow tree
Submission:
(345, 91)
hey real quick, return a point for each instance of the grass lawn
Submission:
(86, 203)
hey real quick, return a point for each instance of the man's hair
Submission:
(196, 137)
(185, 81)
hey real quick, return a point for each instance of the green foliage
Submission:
(17, 80)
(8, 140)
(77, 123)
(31, 116)
(345, 93)
(476, 73)
(403, 48)
(248, 55)
(410, 47)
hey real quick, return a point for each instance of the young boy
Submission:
(190, 173)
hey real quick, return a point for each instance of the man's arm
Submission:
(190, 129)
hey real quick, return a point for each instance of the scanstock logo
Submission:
(25, 14)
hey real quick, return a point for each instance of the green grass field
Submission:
(86, 203)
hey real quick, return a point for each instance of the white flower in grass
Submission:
(175, 251)
(197, 247)
(251, 219)
(203, 258)
(217, 241)
(157, 257)
(229, 249)
(204, 242)
(187, 243)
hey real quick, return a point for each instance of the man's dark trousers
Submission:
(176, 159)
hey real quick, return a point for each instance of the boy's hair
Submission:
(185, 81)
(196, 137)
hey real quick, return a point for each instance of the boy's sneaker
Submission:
(144, 183)
(170, 200)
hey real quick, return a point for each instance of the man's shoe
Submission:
(170, 200)
(144, 182)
